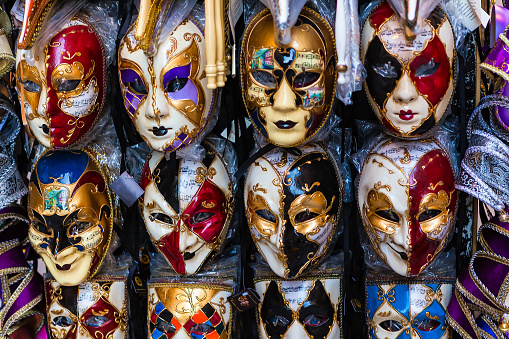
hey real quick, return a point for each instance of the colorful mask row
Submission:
(166, 94)
(409, 83)
(188, 311)
(408, 202)
(293, 202)
(288, 90)
(408, 309)
(96, 309)
(63, 87)
(306, 308)
(187, 213)
(71, 212)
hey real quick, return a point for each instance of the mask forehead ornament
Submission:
(408, 309)
(187, 215)
(194, 311)
(292, 205)
(96, 309)
(71, 214)
(408, 202)
(288, 90)
(63, 86)
(307, 308)
(166, 94)
(409, 83)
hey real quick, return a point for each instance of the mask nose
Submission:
(155, 108)
(401, 236)
(285, 97)
(405, 91)
(187, 239)
(59, 243)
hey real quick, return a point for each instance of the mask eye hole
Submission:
(166, 327)
(391, 325)
(200, 216)
(30, 86)
(161, 217)
(62, 321)
(306, 79)
(137, 87)
(385, 70)
(266, 214)
(175, 85)
(427, 324)
(201, 329)
(315, 320)
(278, 321)
(427, 69)
(388, 215)
(78, 227)
(264, 78)
(429, 214)
(305, 216)
(67, 85)
(97, 321)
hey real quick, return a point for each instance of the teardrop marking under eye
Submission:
(391, 325)
(97, 321)
(62, 321)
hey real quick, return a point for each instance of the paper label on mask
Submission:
(191, 175)
(418, 300)
(296, 292)
(81, 104)
(483, 17)
(127, 189)
(18, 9)
(321, 237)
(393, 36)
(85, 297)
(463, 10)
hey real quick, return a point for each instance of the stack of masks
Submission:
(479, 306)
(63, 52)
(406, 189)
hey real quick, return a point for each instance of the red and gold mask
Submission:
(409, 83)
(187, 215)
(63, 86)
(95, 309)
(408, 202)
(288, 90)
(71, 214)
(188, 311)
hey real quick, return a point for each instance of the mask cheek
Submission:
(256, 97)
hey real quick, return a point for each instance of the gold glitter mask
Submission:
(70, 208)
(288, 90)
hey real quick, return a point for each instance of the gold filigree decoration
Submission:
(202, 174)
(382, 165)
(406, 157)
(284, 160)
(432, 188)
(307, 188)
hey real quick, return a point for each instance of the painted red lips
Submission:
(406, 115)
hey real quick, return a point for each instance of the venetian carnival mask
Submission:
(409, 83)
(288, 90)
(95, 309)
(309, 308)
(412, 309)
(71, 214)
(408, 202)
(187, 214)
(188, 311)
(166, 94)
(63, 86)
(292, 205)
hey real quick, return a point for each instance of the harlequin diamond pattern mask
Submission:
(96, 309)
(188, 311)
(407, 201)
(166, 95)
(187, 215)
(63, 85)
(409, 84)
(288, 90)
(300, 309)
(71, 214)
(408, 310)
(292, 205)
